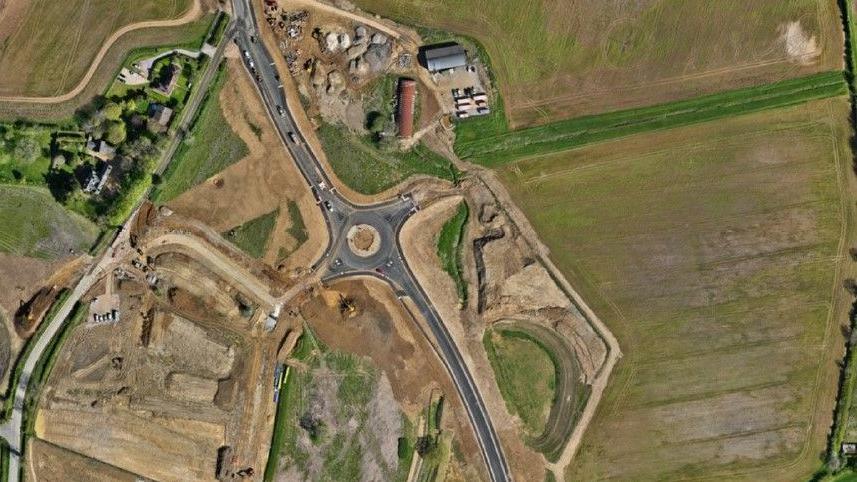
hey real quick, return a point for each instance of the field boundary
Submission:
(191, 14)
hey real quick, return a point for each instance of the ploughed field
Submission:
(713, 252)
(557, 59)
(46, 46)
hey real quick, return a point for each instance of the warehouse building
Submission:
(442, 57)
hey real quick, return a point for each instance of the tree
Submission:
(116, 133)
(424, 445)
(140, 148)
(112, 111)
(26, 150)
(61, 183)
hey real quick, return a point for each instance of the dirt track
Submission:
(190, 15)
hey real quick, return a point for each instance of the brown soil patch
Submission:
(363, 239)
(263, 181)
(386, 332)
(48, 462)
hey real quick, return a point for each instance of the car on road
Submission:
(328, 206)
(281, 112)
(337, 262)
(252, 65)
(293, 137)
(246, 55)
(252, 39)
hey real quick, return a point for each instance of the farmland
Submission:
(556, 60)
(129, 45)
(211, 146)
(710, 251)
(44, 62)
(475, 142)
(33, 224)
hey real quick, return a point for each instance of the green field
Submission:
(55, 43)
(449, 245)
(369, 170)
(210, 147)
(488, 142)
(710, 251)
(525, 374)
(33, 224)
(556, 60)
(252, 237)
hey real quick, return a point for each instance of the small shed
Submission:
(405, 111)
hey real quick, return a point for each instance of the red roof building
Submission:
(405, 115)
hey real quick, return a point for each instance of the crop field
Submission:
(188, 36)
(487, 141)
(39, 60)
(715, 253)
(369, 170)
(211, 146)
(33, 224)
(555, 60)
(252, 236)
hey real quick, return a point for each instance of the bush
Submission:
(116, 133)
(112, 111)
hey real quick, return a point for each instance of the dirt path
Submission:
(193, 13)
(338, 11)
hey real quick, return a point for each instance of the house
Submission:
(168, 79)
(159, 117)
(100, 149)
(444, 57)
(405, 112)
(96, 180)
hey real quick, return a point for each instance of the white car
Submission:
(293, 137)
(281, 112)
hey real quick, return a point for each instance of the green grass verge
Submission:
(210, 147)
(252, 237)
(526, 375)
(449, 245)
(369, 170)
(298, 229)
(289, 398)
(495, 149)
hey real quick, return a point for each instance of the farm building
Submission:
(405, 114)
(444, 57)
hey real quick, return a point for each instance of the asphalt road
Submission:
(340, 215)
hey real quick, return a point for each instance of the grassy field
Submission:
(525, 374)
(488, 142)
(714, 253)
(368, 170)
(33, 224)
(211, 147)
(37, 59)
(556, 60)
(449, 248)
(252, 237)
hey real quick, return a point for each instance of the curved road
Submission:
(388, 218)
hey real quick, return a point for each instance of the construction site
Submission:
(177, 387)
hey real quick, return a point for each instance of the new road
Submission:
(387, 218)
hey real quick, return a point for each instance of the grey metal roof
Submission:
(447, 57)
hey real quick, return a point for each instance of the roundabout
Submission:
(364, 240)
